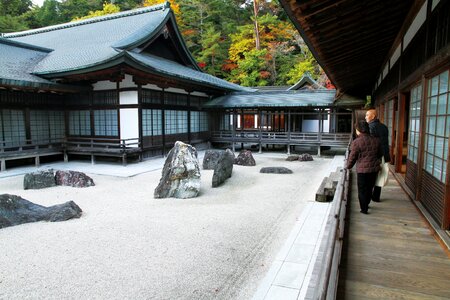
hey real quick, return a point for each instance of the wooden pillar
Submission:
(189, 117)
(163, 125)
(140, 130)
(319, 134)
(399, 138)
(420, 158)
(260, 130)
(233, 133)
(289, 132)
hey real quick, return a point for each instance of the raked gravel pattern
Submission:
(128, 245)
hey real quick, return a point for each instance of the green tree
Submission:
(213, 54)
(72, 9)
(108, 9)
(14, 7)
(49, 13)
(252, 70)
(9, 23)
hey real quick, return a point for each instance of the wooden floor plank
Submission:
(391, 253)
(357, 290)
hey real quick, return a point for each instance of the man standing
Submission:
(379, 130)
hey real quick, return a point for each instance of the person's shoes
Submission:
(364, 212)
(376, 200)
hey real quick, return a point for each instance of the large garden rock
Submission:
(39, 180)
(275, 170)
(15, 210)
(210, 159)
(181, 173)
(245, 158)
(223, 168)
(73, 178)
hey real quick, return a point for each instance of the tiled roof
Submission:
(85, 43)
(17, 60)
(311, 98)
(100, 42)
(173, 69)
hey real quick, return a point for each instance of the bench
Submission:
(28, 150)
(327, 188)
(103, 147)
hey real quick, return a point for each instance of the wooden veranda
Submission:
(313, 127)
(392, 252)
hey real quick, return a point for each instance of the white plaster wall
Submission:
(175, 90)
(385, 70)
(152, 87)
(104, 85)
(396, 55)
(200, 94)
(129, 123)
(127, 82)
(128, 97)
(434, 4)
(415, 25)
(313, 126)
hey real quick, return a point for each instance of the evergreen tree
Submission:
(49, 14)
(9, 23)
(14, 8)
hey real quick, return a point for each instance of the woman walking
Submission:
(366, 152)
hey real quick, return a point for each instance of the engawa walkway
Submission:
(391, 253)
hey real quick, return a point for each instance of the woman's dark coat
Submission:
(366, 150)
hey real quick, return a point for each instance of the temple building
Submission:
(116, 85)
(397, 52)
(303, 115)
(125, 86)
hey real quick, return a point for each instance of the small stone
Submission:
(245, 158)
(305, 157)
(275, 170)
(293, 157)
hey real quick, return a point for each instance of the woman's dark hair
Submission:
(362, 126)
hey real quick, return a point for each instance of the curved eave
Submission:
(125, 58)
(41, 86)
(101, 65)
(131, 61)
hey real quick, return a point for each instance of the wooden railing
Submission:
(103, 147)
(10, 150)
(291, 138)
(324, 282)
(82, 146)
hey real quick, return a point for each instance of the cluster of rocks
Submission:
(181, 172)
(15, 210)
(300, 157)
(49, 178)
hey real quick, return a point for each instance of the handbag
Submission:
(383, 174)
